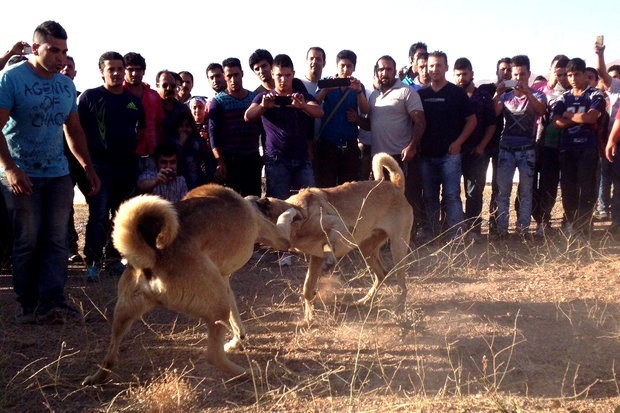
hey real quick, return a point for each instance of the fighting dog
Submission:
(326, 223)
(181, 256)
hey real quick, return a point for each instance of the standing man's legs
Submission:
(431, 180)
(505, 175)
(414, 191)
(474, 170)
(279, 178)
(40, 245)
(451, 192)
(526, 165)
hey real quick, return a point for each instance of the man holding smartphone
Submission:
(521, 108)
(288, 130)
(337, 155)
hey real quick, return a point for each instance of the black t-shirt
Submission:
(445, 112)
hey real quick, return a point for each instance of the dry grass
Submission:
(492, 327)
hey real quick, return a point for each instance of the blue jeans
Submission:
(40, 249)
(115, 188)
(443, 174)
(286, 175)
(508, 162)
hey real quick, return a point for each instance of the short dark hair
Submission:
(385, 57)
(593, 70)
(462, 63)
(258, 55)
(576, 64)
(47, 29)
(165, 149)
(283, 60)
(613, 68)
(135, 59)
(559, 57)
(213, 66)
(347, 54)
(110, 56)
(320, 49)
(561, 61)
(422, 56)
(503, 60)
(521, 60)
(163, 72)
(416, 46)
(540, 78)
(439, 54)
(232, 62)
(185, 72)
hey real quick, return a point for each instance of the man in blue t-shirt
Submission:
(36, 101)
(576, 112)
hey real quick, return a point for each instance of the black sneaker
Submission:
(26, 317)
(62, 314)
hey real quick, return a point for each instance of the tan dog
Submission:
(329, 222)
(180, 257)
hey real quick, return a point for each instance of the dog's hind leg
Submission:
(309, 291)
(399, 247)
(234, 319)
(370, 249)
(129, 307)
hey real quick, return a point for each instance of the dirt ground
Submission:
(506, 326)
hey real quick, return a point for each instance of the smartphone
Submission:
(27, 50)
(599, 40)
(510, 83)
(284, 100)
(334, 82)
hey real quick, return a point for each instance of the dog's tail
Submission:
(142, 225)
(383, 160)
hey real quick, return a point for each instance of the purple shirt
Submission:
(287, 130)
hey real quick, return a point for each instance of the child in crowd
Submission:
(165, 182)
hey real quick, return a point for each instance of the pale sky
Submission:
(188, 35)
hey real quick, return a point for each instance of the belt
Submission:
(518, 148)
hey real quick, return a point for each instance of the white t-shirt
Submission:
(390, 117)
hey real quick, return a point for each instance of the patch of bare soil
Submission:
(508, 326)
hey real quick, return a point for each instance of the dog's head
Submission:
(272, 208)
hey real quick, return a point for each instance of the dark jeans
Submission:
(474, 169)
(604, 187)
(40, 241)
(578, 184)
(243, 173)
(334, 165)
(6, 233)
(414, 191)
(115, 188)
(546, 186)
(287, 175)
